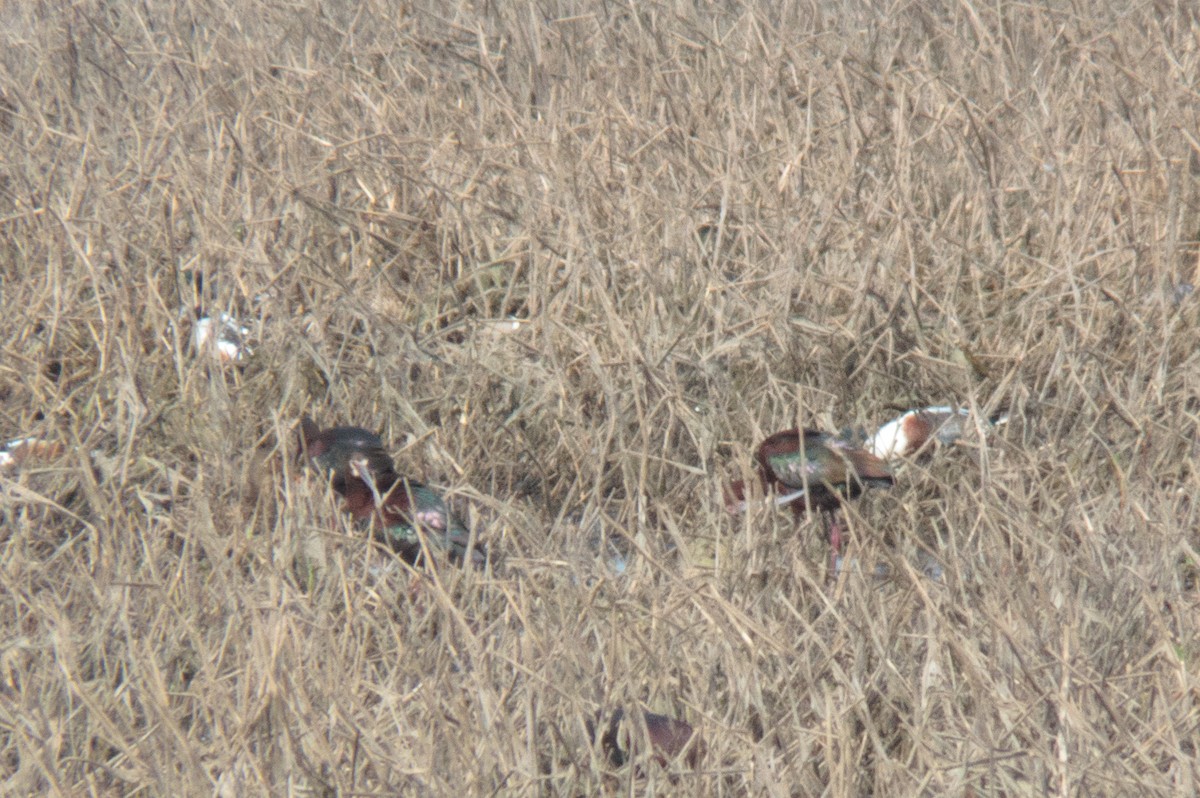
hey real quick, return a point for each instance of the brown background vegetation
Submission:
(574, 260)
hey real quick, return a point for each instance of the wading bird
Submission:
(334, 450)
(403, 510)
(668, 737)
(812, 470)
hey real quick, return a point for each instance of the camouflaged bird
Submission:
(668, 738)
(406, 511)
(402, 510)
(812, 470)
(339, 451)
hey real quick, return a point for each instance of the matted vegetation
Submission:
(575, 260)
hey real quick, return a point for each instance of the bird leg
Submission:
(835, 541)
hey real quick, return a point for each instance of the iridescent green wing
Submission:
(814, 464)
(421, 506)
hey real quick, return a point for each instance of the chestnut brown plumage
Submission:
(812, 470)
(820, 469)
(916, 431)
(404, 510)
(669, 738)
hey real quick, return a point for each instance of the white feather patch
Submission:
(894, 440)
(224, 334)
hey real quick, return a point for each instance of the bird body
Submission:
(404, 509)
(669, 738)
(820, 468)
(813, 470)
(362, 472)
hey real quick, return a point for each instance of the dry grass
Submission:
(709, 224)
